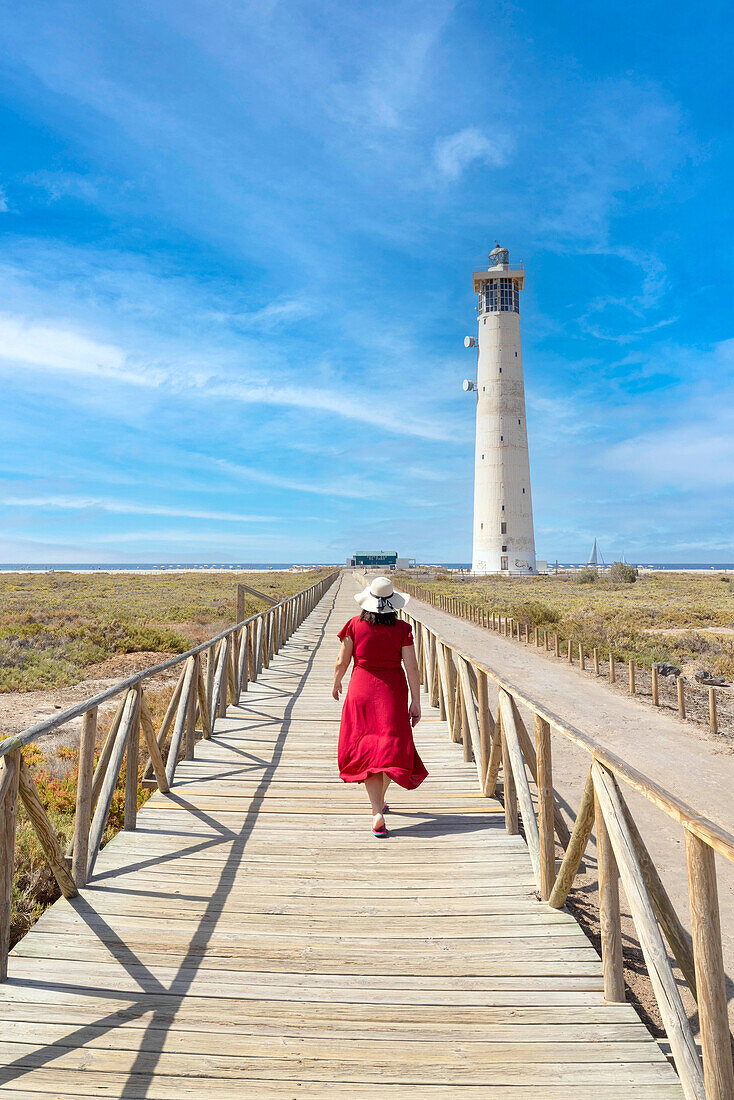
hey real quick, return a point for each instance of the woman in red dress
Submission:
(376, 732)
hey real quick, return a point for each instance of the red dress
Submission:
(375, 733)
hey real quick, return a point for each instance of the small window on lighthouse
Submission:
(504, 549)
(502, 439)
(503, 528)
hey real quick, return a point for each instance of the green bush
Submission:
(621, 573)
(587, 576)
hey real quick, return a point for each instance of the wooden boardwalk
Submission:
(252, 939)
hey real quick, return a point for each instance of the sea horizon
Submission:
(131, 567)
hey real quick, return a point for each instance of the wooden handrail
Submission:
(715, 835)
(238, 660)
(620, 851)
(16, 741)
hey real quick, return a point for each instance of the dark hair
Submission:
(371, 617)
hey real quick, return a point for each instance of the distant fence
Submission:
(572, 648)
(500, 744)
(212, 674)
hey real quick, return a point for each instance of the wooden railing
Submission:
(495, 736)
(212, 674)
(573, 648)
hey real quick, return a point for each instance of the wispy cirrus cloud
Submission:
(125, 508)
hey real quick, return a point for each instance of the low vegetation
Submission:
(662, 617)
(53, 626)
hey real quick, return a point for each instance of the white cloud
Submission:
(454, 153)
(273, 315)
(3, 201)
(52, 348)
(332, 487)
(698, 456)
(124, 508)
(49, 347)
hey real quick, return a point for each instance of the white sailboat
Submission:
(594, 557)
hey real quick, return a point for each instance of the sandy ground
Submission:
(21, 709)
(680, 756)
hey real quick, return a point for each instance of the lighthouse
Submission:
(504, 541)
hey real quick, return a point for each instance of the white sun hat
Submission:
(381, 598)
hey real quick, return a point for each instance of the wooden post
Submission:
(240, 603)
(596, 660)
(582, 659)
(183, 703)
(655, 696)
(435, 690)
(243, 670)
(556, 645)
(211, 663)
(575, 848)
(485, 724)
(570, 651)
(668, 998)
(9, 776)
(546, 803)
(44, 830)
(463, 711)
(83, 815)
(713, 719)
(206, 725)
(190, 735)
(681, 696)
(710, 979)
(450, 686)
(131, 768)
(609, 914)
(104, 756)
(612, 669)
(508, 790)
(537, 637)
(632, 677)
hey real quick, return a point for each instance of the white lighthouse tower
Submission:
(504, 541)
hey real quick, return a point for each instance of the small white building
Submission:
(504, 540)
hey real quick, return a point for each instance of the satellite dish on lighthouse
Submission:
(469, 342)
(467, 386)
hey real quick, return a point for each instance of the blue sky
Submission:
(235, 275)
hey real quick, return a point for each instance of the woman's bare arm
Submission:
(341, 666)
(414, 683)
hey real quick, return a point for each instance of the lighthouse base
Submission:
(505, 564)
